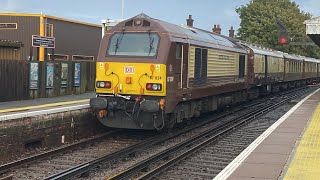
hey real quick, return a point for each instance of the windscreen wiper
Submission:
(150, 46)
(118, 43)
(117, 46)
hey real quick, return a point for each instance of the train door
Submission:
(184, 65)
(303, 69)
(177, 64)
(266, 68)
(181, 65)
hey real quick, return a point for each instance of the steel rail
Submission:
(5, 167)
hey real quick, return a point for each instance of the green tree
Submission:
(258, 25)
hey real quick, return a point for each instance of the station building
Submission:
(74, 40)
(313, 29)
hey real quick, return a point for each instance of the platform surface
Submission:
(289, 149)
(306, 161)
(33, 107)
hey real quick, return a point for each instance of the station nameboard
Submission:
(8, 26)
(43, 41)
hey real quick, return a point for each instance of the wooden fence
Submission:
(22, 79)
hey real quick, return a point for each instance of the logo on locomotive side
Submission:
(129, 70)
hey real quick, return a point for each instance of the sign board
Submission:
(49, 75)
(64, 74)
(34, 75)
(43, 41)
(8, 26)
(77, 74)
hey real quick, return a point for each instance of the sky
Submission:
(205, 13)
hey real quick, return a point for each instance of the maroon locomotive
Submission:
(152, 74)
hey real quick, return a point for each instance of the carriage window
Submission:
(242, 65)
(178, 51)
(133, 44)
(200, 68)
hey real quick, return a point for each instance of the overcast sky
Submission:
(206, 13)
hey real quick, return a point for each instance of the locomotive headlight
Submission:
(102, 84)
(155, 87)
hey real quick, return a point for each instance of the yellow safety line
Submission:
(43, 105)
(306, 161)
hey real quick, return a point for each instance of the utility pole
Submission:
(122, 9)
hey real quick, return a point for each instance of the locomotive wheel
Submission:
(170, 121)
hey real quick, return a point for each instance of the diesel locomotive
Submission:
(151, 74)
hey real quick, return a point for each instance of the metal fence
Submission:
(21, 79)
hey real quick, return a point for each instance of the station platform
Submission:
(25, 108)
(289, 149)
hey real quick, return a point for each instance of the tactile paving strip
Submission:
(306, 161)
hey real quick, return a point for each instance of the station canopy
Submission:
(313, 29)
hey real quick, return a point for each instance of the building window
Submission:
(82, 58)
(61, 57)
(49, 30)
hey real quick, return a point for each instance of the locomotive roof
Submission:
(293, 56)
(311, 59)
(263, 51)
(182, 33)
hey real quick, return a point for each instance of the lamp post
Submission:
(103, 29)
(108, 23)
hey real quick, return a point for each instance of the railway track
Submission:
(205, 155)
(77, 162)
(56, 160)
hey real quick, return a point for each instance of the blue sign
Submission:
(77, 74)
